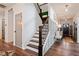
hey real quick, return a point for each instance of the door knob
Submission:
(15, 31)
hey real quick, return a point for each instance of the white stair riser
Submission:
(42, 33)
(38, 35)
(35, 39)
(43, 30)
(34, 43)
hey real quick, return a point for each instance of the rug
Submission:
(7, 53)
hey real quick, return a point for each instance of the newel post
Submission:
(40, 41)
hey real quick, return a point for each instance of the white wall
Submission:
(30, 21)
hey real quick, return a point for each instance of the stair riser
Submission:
(32, 49)
(43, 33)
(33, 46)
(38, 35)
(37, 39)
(34, 43)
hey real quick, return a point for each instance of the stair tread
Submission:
(43, 30)
(35, 41)
(35, 36)
(32, 49)
(33, 46)
(38, 37)
(42, 33)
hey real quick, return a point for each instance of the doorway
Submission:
(65, 30)
(10, 25)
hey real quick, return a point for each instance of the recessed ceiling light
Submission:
(66, 8)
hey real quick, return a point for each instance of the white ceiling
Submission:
(59, 8)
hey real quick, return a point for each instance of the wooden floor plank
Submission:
(66, 47)
(18, 51)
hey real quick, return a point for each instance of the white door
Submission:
(10, 25)
(18, 30)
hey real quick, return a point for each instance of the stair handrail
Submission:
(40, 10)
(45, 21)
(43, 4)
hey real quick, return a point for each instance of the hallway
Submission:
(66, 47)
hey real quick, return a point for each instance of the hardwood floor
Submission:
(18, 51)
(66, 47)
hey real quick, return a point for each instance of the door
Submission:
(18, 30)
(66, 30)
(10, 25)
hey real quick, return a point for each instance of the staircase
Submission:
(33, 46)
(34, 43)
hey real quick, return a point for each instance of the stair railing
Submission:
(41, 13)
(40, 10)
(40, 38)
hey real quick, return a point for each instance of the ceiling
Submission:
(59, 8)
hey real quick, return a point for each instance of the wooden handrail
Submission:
(39, 8)
(43, 4)
(45, 21)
